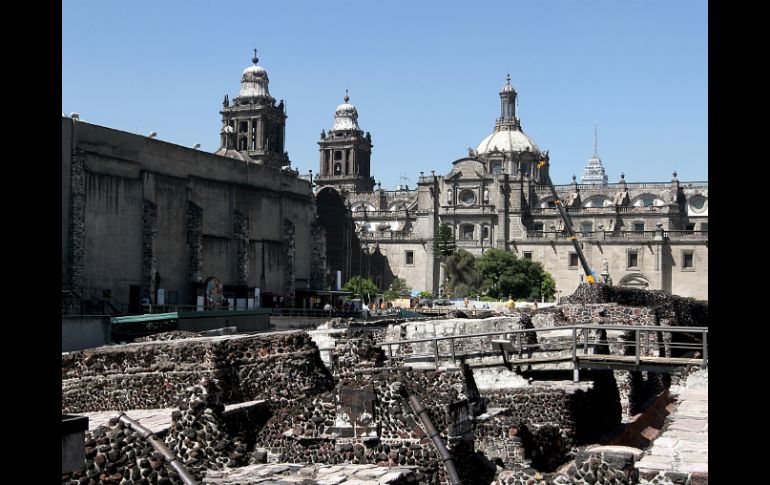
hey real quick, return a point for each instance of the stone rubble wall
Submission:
(671, 309)
(324, 430)
(156, 374)
(117, 454)
(545, 424)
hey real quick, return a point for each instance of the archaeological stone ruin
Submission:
(430, 400)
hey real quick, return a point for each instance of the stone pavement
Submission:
(290, 473)
(156, 420)
(683, 445)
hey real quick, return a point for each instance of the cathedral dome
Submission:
(254, 83)
(256, 71)
(346, 109)
(507, 88)
(507, 141)
(346, 116)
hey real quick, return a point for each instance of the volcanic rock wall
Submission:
(155, 374)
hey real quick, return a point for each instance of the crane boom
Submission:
(568, 224)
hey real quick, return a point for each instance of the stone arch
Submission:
(597, 201)
(362, 206)
(397, 206)
(635, 280)
(647, 200)
(546, 202)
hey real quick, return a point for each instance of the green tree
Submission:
(444, 246)
(424, 294)
(462, 277)
(505, 274)
(362, 287)
(398, 288)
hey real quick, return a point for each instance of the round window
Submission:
(467, 197)
(698, 203)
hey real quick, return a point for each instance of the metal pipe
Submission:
(446, 455)
(637, 344)
(575, 368)
(160, 447)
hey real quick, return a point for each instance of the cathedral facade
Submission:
(648, 235)
(146, 220)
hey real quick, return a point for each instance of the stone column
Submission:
(241, 235)
(249, 136)
(288, 272)
(149, 232)
(77, 227)
(194, 241)
(318, 269)
(260, 134)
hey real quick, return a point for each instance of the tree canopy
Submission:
(462, 277)
(444, 245)
(362, 287)
(505, 274)
(398, 288)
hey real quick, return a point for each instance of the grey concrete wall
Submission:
(113, 222)
(66, 157)
(126, 172)
(245, 323)
(85, 332)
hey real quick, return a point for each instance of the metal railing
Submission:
(524, 342)
(593, 235)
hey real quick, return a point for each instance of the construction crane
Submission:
(568, 224)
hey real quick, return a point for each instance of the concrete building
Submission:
(649, 235)
(146, 221)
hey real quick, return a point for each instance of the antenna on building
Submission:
(196, 146)
(152, 134)
(74, 116)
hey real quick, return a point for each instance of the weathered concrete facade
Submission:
(648, 235)
(159, 215)
(140, 215)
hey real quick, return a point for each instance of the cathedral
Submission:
(144, 219)
(646, 235)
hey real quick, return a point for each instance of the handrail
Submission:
(573, 329)
(432, 432)
(161, 448)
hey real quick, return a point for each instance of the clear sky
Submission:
(424, 75)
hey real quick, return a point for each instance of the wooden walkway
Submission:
(642, 348)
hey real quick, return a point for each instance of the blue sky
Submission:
(424, 76)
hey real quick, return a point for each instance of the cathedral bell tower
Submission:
(253, 127)
(345, 153)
